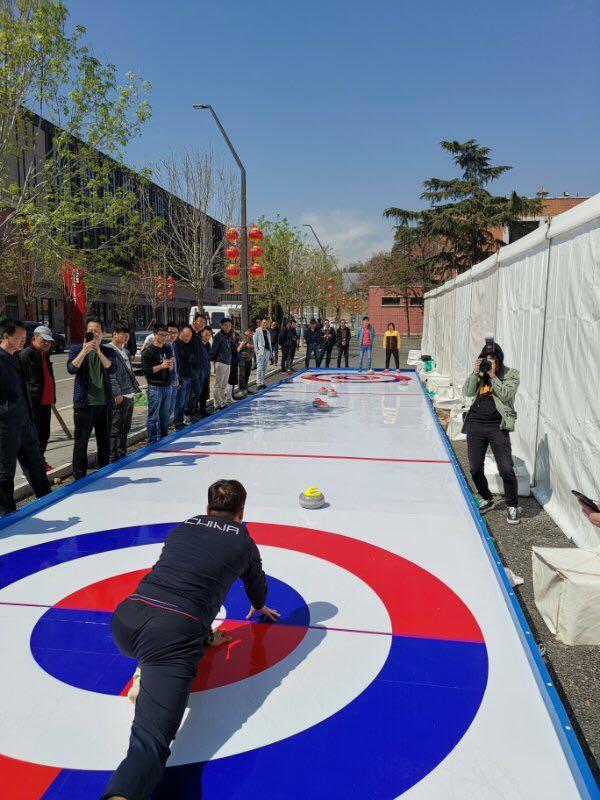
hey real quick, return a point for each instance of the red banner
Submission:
(74, 299)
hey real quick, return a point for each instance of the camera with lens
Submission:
(485, 365)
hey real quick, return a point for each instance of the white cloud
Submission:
(351, 236)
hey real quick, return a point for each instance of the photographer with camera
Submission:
(489, 422)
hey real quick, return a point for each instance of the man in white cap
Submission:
(37, 368)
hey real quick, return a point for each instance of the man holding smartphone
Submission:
(157, 364)
(488, 423)
(92, 363)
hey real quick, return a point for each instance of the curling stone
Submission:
(312, 498)
(333, 393)
(370, 372)
(323, 390)
(321, 404)
(307, 374)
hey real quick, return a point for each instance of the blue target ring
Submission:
(380, 744)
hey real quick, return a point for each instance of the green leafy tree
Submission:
(67, 200)
(460, 227)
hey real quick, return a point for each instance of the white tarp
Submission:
(541, 298)
(519, 330)
(443, 354)
(484, 301)
(566, 586)
(459, 355)
(568, 443)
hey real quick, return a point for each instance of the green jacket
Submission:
(504, 390)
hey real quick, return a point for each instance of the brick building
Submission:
(49, 305)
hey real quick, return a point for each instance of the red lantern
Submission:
(255, 234)
(232, 235)
(256, 270)
(170, 279)
(170, 295)
(160, 295)
(256, 251)
(232, 271)
(329, 280)
(232, 253)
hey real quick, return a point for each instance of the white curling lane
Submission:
(46, 721)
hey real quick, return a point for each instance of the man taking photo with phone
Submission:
(489, 421)
(92, 363)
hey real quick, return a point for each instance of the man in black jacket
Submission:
(343, 343)
(327, 339)
(18, 437)
(288, 341)
(92, 363)
(166, 624)
(124, 388)
(186, 353)
(157, 363)
(220, 353)
(37, 368)
(311, 337)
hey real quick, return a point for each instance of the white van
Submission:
(215, 314)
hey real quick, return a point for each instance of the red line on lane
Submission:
(308, 455)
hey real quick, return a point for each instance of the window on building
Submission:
(416, 301)
(390, 301)
(43, 310)
(11, 305)
(520, 228)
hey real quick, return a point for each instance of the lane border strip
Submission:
(575, 757)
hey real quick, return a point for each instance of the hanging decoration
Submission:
(170, 287)
(255, 234)
(232, 253)
(232, 270)
(256, 269)
(232, 235)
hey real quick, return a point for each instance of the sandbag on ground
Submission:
(566, 586)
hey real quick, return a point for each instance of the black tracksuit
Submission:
(18, 437)
(327, 338)
(343, 342)
(164, 624)
(288, 341)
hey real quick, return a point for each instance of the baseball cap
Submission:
(44, 332)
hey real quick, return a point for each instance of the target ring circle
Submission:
(433, 634)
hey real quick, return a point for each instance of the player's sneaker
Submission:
(512, 515)
(486, 505)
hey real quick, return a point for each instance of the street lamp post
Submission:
(308, 225)
(244, 236)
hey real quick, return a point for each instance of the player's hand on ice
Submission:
(268, 612)
(218, 639)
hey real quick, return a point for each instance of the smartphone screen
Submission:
(89, 336)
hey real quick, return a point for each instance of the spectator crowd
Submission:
(176, 362)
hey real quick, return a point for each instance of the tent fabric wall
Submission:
(568, 441)
(484, 301)
(541, 297)
(520, 330)
(459, 366)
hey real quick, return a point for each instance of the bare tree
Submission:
(200, 193)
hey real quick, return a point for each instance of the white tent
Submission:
(541, 298)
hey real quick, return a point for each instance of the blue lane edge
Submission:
(578, 763)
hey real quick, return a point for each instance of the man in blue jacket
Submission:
(92, 363)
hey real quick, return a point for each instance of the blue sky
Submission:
(337, 108)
